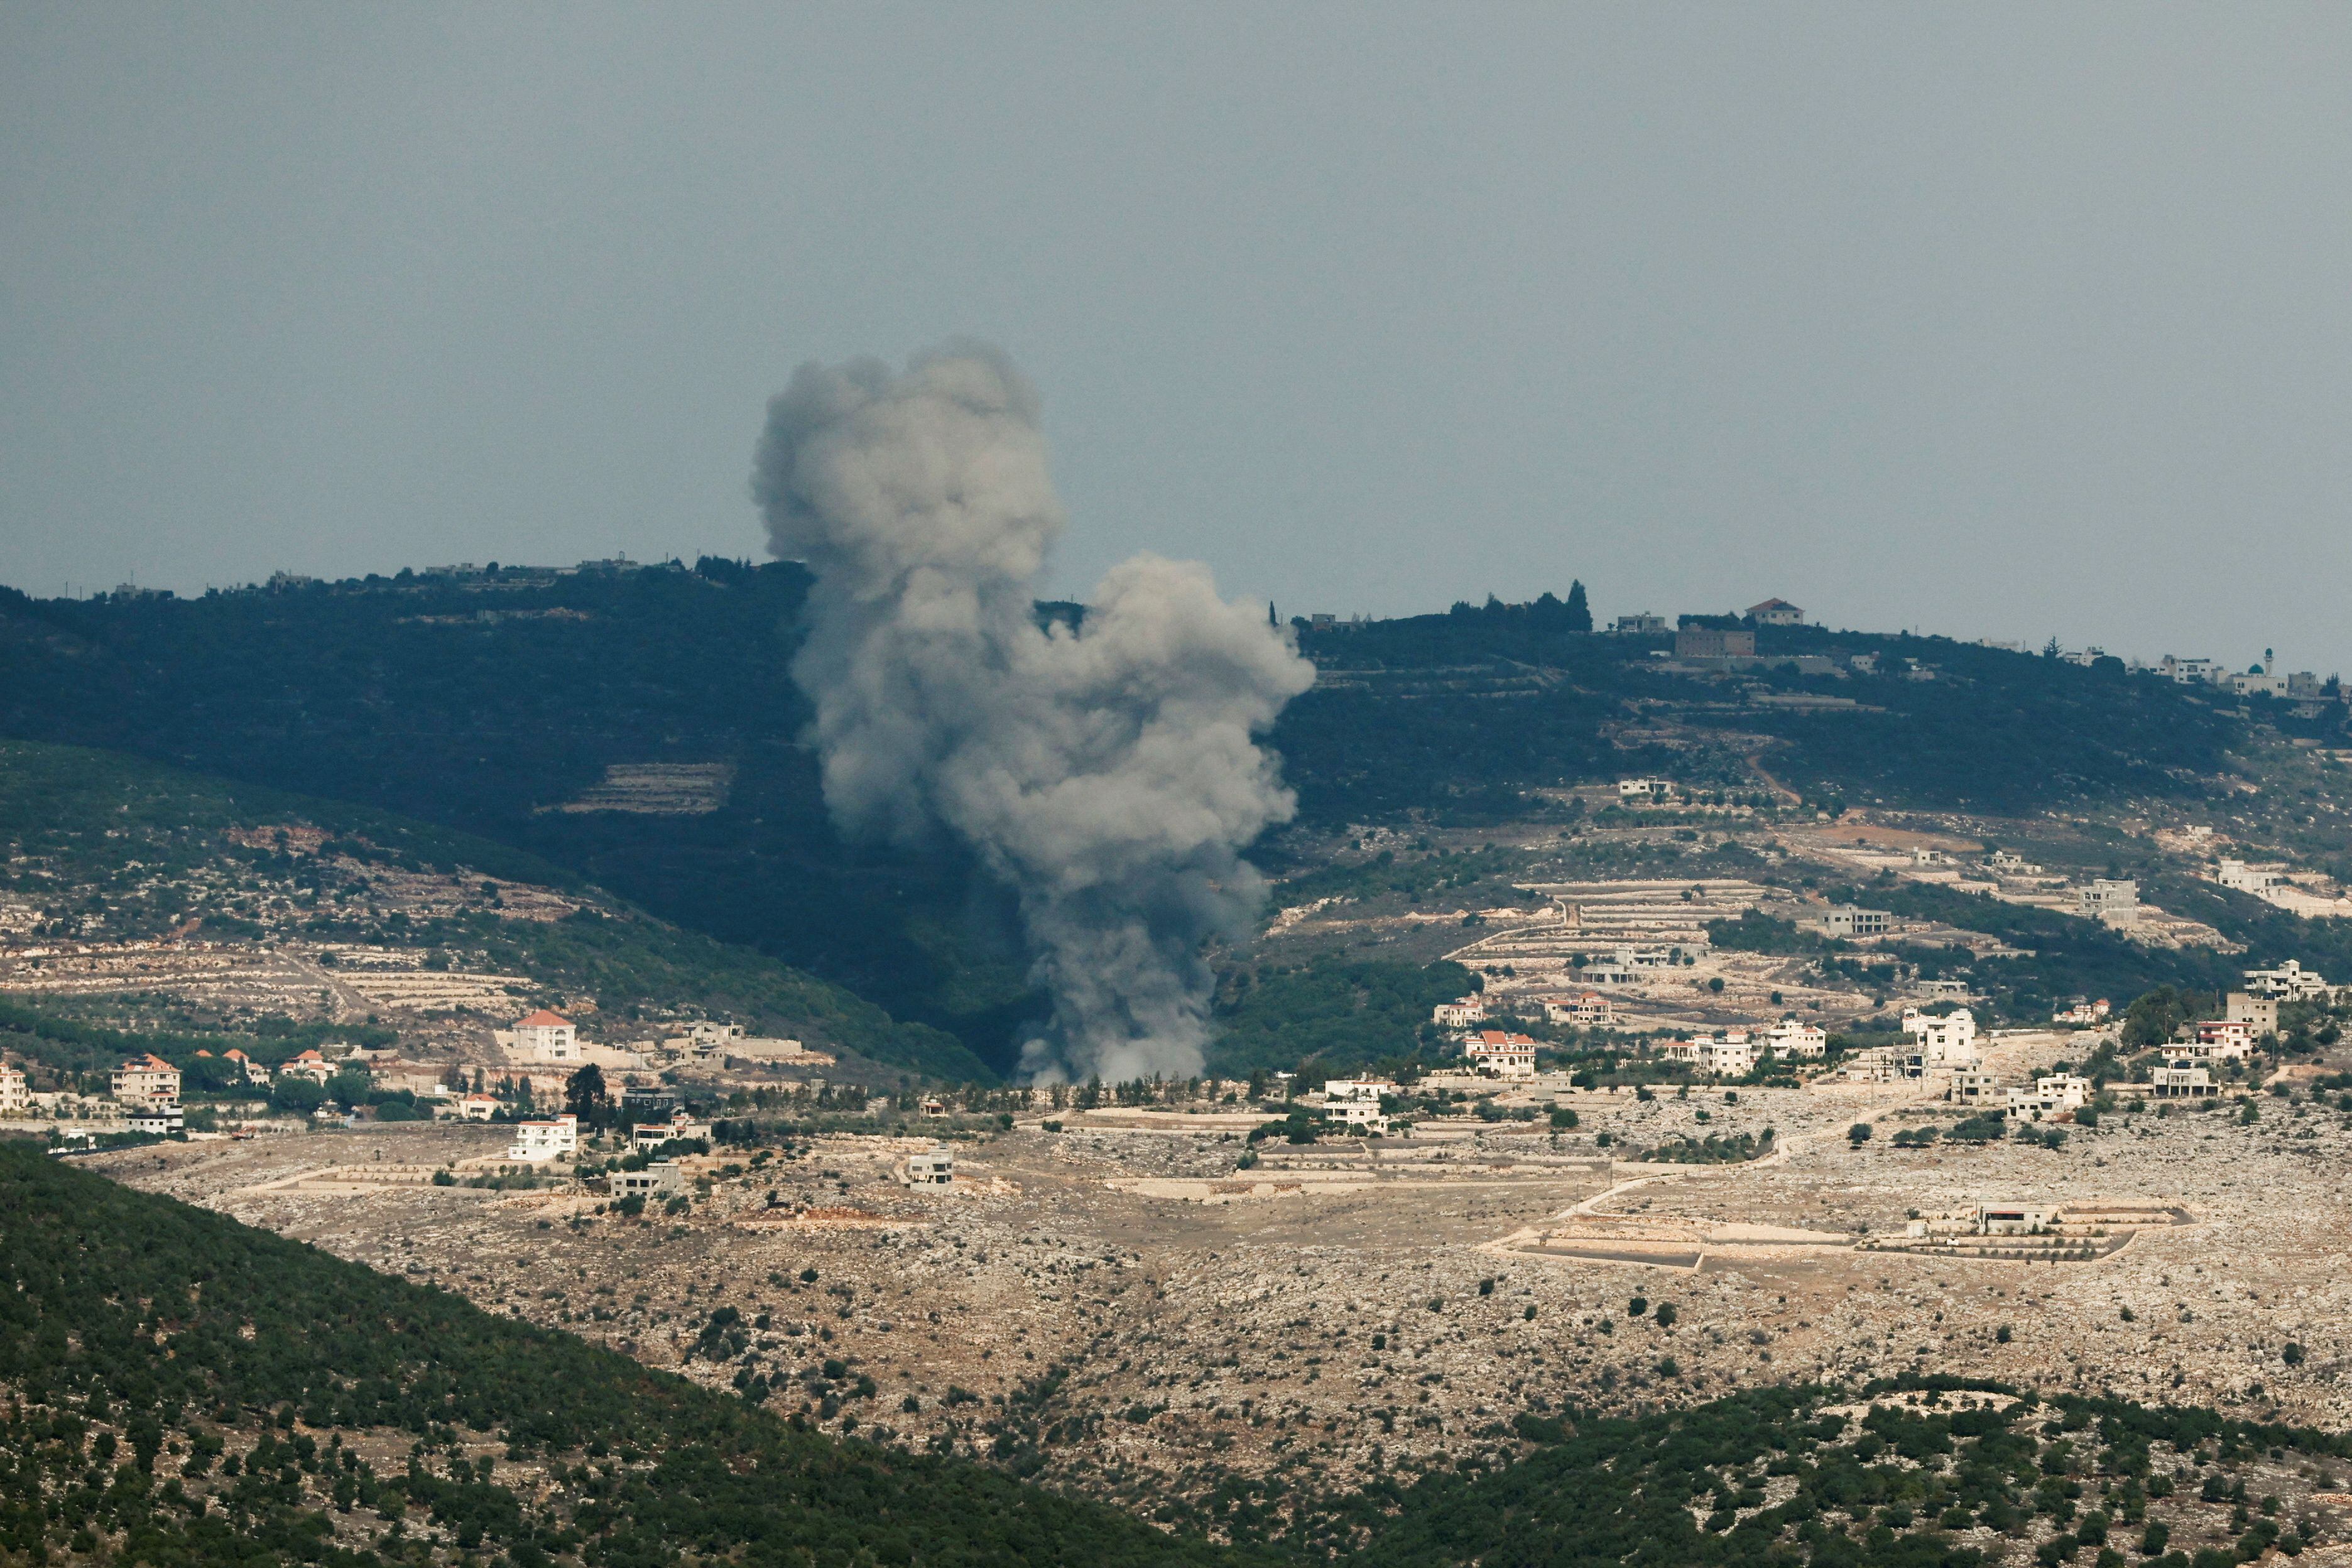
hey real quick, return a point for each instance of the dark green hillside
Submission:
(126, 834)
(188, 1390)
(476, 704)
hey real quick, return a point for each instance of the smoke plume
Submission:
(1107, 773)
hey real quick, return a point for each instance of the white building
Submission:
(1460, 1013)
(931, 1167)
(16, 1094)
(2243, 878)
(1790, 1039)
(545, 1036)
(657, 1180)
(1945, 1042)
(146, 1080)
(475, 1107)
(2182, 1078)
(2289, 980)
(2191, 671)
(1643, 624)
(1644, 789)
(2081, 1013)
(2110, 900)
(2015, 1219)
(1729, 1055)
(2055, 1095)
(162, 1121)
(253, 1070)
(1506, 1054)
(680, 1128)
(1775, 612)
(1846, 922)
(2005, 863)
(309, 1064)
(537, 1142)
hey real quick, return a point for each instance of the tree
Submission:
(584, 1096)
(297, 1094)
(1580, 613)
(1858, 1134)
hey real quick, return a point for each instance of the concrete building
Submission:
(1644, 624)
(2057, 1094)
(2259, 1014)
(545, 1036)
(1644, 789)
(16, 1094)
(477, 1107)
(1729, 1055)
(2290, 981)
(1714, 642)
(2240, 876)
(1974, 1086)
(2015, 1219)
(1790, 1039)
(536, 1142)
(931, 1167)
(146, 1080)
(1775, 612)
(158, 1121)
(2110, 900)
(2182, 1078)
(1846, 921)
(661, 1179)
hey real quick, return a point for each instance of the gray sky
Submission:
(1994, 321)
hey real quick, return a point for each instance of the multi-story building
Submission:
(16, 1094)
(538, 1141)
(2112, 900)
(2051, 1095)
(1507, 1055)
(146, 1080)
(1791, 1038)
(545, 1036)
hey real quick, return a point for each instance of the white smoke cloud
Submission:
(1109, 775)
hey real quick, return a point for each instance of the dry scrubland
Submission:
(1319, 1328)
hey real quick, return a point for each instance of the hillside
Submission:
(503, 704)
(106, 847)
(188, 1390)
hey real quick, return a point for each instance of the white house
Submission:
(475, 1107)
(1729, 1055)
(1460, 1013)
(1945, 1042)
(2050, 1096)
(931, 1167)
(146, 1079)
(16, 1094)
(1644, 789)
(1790, 1039)
(2081, 1013)
(1643, 624)
(253, 1070)
(2015, 1219)
(2240, 876)
(162, 1121)
(545, 1036)
(535, 1142)
(1356, 1090)
(2289, 980)
(1507, 1055)
(309, 1064)
(1775, 612)
(679, 1128)
(2180, 1078)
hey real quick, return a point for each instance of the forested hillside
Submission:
(484, 703)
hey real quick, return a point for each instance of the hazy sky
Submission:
(1994, 321)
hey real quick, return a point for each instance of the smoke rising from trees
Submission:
(1108, 774)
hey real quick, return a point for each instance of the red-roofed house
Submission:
(310, 1065)
(147, 1080)
(1512, 1056)
(546, 1036)
(253, 1070)
(1775, 612)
